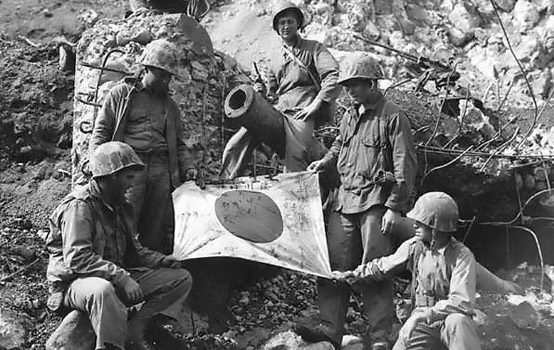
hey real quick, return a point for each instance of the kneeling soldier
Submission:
(98, 266)
(443, 278)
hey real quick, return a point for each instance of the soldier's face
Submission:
(423, 232)
(287, 26)
(361, 91)
(157, 80)
(123, 181)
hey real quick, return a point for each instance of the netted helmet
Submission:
(359, 66)
(282, 6)
(110, 157)
(160, 54)
(436, 210)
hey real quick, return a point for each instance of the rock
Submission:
(526, 14)
(143, 37)
(464, 17)
(506, 5)
(541, 83)
(74, 333)
(525, 316)
(47, 13)
(458, 37)
(542, 4)
(12, 332)
(371, 31)
(291, 341)
(529, 48)
(416, 13)
(357, 17)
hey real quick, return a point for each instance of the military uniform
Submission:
(303, 72)
(94, 253)
(370, 144)
(152, 126)
(443, 283)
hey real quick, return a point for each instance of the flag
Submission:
(277, 221)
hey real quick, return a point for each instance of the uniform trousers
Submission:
(354, 239)
(165, 291)
(456, 332)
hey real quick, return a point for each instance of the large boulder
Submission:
(526, 14)
(74, 333)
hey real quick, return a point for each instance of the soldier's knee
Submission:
(101, 289)
(456, 320)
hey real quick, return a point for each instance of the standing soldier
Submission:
(443, 278)
(303, 81)
(143, 115)
(96, 264)
(375, 156)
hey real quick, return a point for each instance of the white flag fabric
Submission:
(276, 221)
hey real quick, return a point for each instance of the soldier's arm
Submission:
(404, 161)
(104, 124)
(328, 70)
(381, 268)
(76, 228)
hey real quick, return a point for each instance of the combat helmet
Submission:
(359, 66)
(111, 157)
(160, 54)
(282, 6)
(436, 210)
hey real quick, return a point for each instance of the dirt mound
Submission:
(36, 119)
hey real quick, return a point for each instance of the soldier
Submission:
(443, 278)
(97, 266)
(375, 157)
(143, 115)
(303, 81)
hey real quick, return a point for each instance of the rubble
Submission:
(199, 89)
(12, 333)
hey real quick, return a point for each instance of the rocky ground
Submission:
(36, 124)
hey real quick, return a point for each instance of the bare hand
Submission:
(410, 325)
(344, 276)
(132, 291)
(317, 165)
(171, 262)
(390, 220)
(259, 87)
(309, 111)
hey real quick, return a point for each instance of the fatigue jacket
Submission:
(292, 83)
(370, 143)
(148, 123)
(443, 281)
(89, 238)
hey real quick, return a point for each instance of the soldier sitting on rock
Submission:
(443, 278)
(96, 264)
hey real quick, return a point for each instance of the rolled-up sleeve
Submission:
(404, 161)
(78, 255)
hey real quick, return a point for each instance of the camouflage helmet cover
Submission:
(436, 210)
(160, 54)
(111, 157)
(359, 66)
(282, 6)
